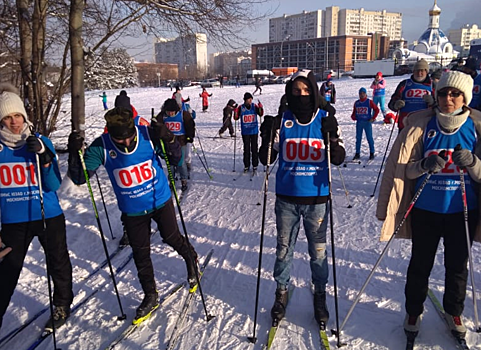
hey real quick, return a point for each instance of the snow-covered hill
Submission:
(223, 214)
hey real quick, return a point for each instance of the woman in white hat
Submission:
(21, 209)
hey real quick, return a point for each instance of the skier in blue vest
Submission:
(131, 154)
(378, 87)
(452, 128)
(471, 68)
(21, 208)
(302, 184)
(364, 113)
(247, 113)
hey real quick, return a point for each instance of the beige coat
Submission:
(396, 189)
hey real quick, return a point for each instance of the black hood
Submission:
(311, 79)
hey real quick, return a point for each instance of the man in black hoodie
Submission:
(302, 185)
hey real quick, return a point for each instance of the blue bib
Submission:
(175, 124)
(413, 96)
(363, 110)
(248, 118)
(476, 101)
(380, 92)
(302, 158)
(138, 180)
(442, 193)
(19, 190)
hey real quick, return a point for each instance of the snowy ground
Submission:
(222, 214)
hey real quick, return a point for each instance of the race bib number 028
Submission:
(134, 175)
(304, 150)
(14, 175)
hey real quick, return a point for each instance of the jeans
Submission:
(366, 126)
(379, 100)
(182, 169)
(288, 218)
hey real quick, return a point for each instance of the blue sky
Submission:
(454, 14)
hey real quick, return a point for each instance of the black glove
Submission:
(161, 131)
(329, 125)
(34, 145)
(463, 158)
(266, 126)
(75, 142)
(433, 164)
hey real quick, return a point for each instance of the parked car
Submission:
(208, 83)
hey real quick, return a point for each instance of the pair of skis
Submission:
(138, 327)
(460, 342)
(358, 162)
(324, 341)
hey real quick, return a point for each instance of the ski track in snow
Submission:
(223, 214)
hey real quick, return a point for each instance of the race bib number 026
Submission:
(14, 175)
(304, 150)
(134, 175)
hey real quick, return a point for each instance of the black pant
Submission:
(427, 230)
(250, 146)
(53, 240)
(227, 124)
(138, 231)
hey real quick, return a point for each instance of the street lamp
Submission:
(158, 76)
(282, 45)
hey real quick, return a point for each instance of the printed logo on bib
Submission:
(134, 175)
(112, 154)
(248, 118)
(15, 175)
(416, 93)
(431, 133)
(289, 124)
(1, 147)
(450, 168)
(173, 126)
(304, 150)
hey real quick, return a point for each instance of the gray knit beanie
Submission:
(10, 101)
(421, 64)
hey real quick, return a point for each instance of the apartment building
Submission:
(461, 37)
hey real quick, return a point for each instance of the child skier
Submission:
(205, 99)
(362, 114)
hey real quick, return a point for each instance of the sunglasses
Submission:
(453, 94)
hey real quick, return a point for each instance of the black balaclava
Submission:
(303, 107)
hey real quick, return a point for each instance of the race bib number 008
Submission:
(14, 175)
(304, 150)
(134, 175)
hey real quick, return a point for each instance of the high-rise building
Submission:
(334, 21)
(228, 63)
(188, 52)
(462, 37)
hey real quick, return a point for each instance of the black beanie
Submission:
(120, 123)
(247, 96)
(232, 103)
(171, 105)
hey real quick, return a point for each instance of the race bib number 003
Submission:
(134, 175)
(14, 175)
(304, 150)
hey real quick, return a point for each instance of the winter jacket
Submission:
(397, 191)
(378, 85)
(205, 100)
(325, 88)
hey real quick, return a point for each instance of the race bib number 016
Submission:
(134, 175)
(304, 150)
(14, 175)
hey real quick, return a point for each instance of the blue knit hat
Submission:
(362, 90)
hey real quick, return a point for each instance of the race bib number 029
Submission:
(134, 175)
(173, 126)
(14, 175)
(304, 150)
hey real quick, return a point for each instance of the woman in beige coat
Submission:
(439, 210)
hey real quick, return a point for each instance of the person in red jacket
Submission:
(362, 113)
(205, 99)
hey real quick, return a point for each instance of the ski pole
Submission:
(47, 255)
(272, 168)
(333, 250)
(396, 230)
(253, 339)
(186, 235)
(235, 142)
(105, 207)
(123, 316)
(384, 157)
(203, 153)
(202, 162)
(468, 242)
(344, 186)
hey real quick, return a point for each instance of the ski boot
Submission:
(124, 241)
(184, 185)
(456, 325)
(192, 272)
(58, 319)
(246, 169)
(149, 304)
(357, 156)
(278, 310)
(320, 308)
(371, 156)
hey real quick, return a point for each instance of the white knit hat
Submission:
(458, 80)
(10, 102)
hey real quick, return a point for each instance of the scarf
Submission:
(452, 121)
(15, 140)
